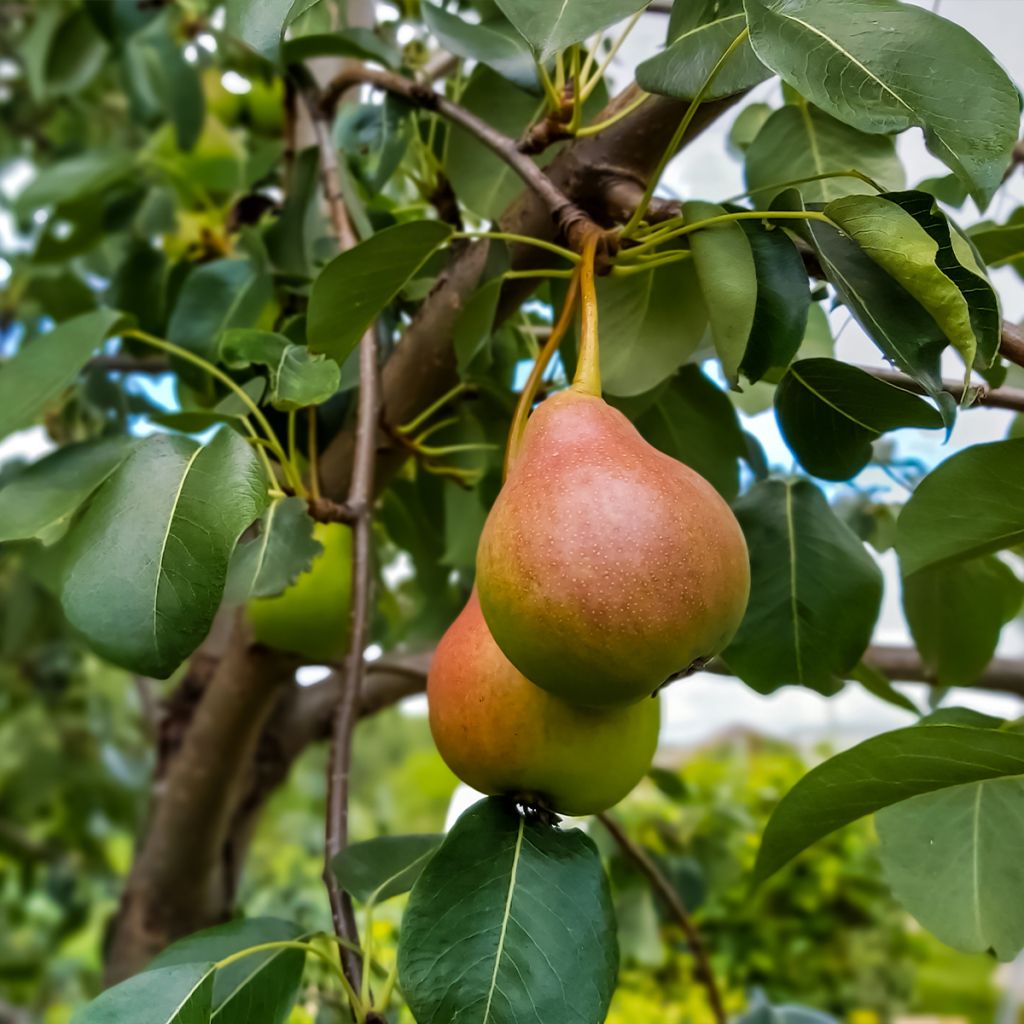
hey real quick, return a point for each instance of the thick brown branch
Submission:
(1011, 344)
(674, 902)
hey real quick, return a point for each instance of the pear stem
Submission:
(522, 413)
(588, 366)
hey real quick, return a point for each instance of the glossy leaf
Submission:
(355, 286)
(800, 140)
(814, 596)
(45, 366)
(728, 280)
(880, 772)
(984, 484)
(830, 413)
(956, 612)
(148, 560)
(271, 561)
(179, 994)
(510, 923)
(377, 869)
(258, 23)
(965, 843)
(261, 986)
(297, 379)
(552, 26)
(42, 498)
(884, 66)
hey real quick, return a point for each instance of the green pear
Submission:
(501, 734)
(606, 567)
(311, 617)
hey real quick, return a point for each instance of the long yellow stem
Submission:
(588, 365)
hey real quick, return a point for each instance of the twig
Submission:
(667, 891)
(997, 398)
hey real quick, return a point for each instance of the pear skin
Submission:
(502, 735)
(606, 567)
(311, 617)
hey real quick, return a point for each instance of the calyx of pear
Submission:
(504, 736)
(310, 618)
(606, 567)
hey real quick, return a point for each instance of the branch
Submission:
(997, 398)
(1011, 343)
(669, 894)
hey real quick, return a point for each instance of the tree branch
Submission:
(671, 898)
(1011, 343)
(997, 398)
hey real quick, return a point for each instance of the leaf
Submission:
(877, 684)
(682, 68)
(273, 560)
(179, 994)
(883, 66)
(965, 843)
(814, 596)
(1002, 245)
(262, 986)
(783, 301)
(728, 281)
(41, 499)
(297, 379)
(148, 560)
(258, 23)
(45, 366)
(799, 140)
(650, 326)
(214, 297)
(493, 43)
(361, 43)
(475, 324)
(830, 413)
(761, 1011)
(552, 25)
(956, 612)
(694, 422)
(511, 923)
(353, 289)
(903, 249)
(748, 122)
(74, 178)
(880, 772)
(984, 484)
(483, 181)
(376, 870)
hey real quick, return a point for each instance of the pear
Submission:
(502, 735)
(606, 567)
(311, 617)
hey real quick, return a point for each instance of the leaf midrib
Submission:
(504, 921)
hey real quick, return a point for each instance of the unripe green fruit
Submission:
(606, 567)
(502, 735)
(311, 617)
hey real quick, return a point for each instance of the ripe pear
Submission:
(311, 617)
(502, 735)
(606, 567)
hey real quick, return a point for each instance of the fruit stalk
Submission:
(587, 380)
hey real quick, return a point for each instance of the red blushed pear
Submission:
(502, 735)
(605, 566)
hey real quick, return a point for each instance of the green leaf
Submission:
(903, 249)
(728, 281)
(830, 413)
(956, 612)
(511, 923)
(745, 128)
(884, 66)
(258, 23)
(984, 485)
(40, 500)
(799, 140)
(297, 378)
(650, 325)
(361, 43)
(947, 188)
(761, 1011)
(1002, 245)
(682, 68)
(179, 994)
(262, 986)
(783, 301)
(483, 181)
(963, 843)
(552, 25)
(214, 297)
(493, 42)
(45, 366)
(273, 560)
(148, 560)
(376, 870)
(814, 596)
(877, 684)
(475, 324)
(880, 772)
(76, 177)
(353, 289)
